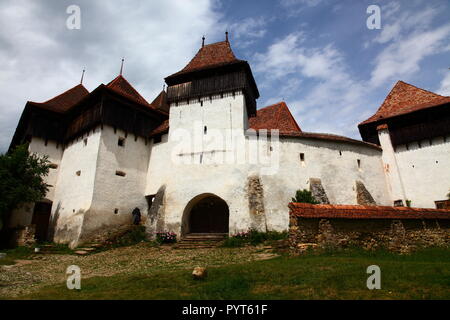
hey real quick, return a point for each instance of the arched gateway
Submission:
(206, 213)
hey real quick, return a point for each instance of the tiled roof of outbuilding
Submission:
(324, 211)
(405, 98)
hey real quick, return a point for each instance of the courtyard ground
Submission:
(144, 271)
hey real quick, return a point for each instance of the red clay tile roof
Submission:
(306, 210)
(405, 98)
(123, 87)
(278, 116)
(210, 56)
(162, 128)
(160, 102)
(66, 100)
(275, 116)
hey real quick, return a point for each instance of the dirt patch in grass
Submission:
(140, 259)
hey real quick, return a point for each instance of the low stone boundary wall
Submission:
(396, 228)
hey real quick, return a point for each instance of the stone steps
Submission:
(201, 241)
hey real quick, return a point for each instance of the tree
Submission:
(21, 179)
(304, 196)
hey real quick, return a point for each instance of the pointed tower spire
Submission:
(82, 76)
(203, 41)
(121, 66)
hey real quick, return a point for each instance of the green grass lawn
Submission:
(339, 275)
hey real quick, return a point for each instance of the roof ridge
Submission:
(120, 77)
(63, 93)
(416, 87)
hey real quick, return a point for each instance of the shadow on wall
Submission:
(53, 222)
(156, 214)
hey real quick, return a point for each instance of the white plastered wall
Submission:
(338, 171)
(425, 171)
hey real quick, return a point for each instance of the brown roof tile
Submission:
(405, 98)
(123, 87)
(278, 116)
(66, 100)
(306, 210)
(275, 116)
(160, 102)
(162, 128)
(210, 56)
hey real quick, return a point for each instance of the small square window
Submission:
(121, 142)
(78, 173)
(120, 173)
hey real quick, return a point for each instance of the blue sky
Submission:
(317, 55)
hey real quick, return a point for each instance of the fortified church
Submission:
(201, 158)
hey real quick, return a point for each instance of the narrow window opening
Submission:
(46, 142)
(359, 163)
(340, 152)
(302, 159)
(120, 173)
(437, 161)
(121, 142)
(85, 142)
(116, 211)
(201, 103)
(205, 130)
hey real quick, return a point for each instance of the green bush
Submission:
(253, 237)
(304, 196)
(135, 235)
(21, 179)
(233, 242)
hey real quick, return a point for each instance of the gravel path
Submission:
(46, 269)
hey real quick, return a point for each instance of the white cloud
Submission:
(308, 3)
(396, 22)
(329, 104)
(402, 58)
(246, 32)
(40, 57)
(445, 85)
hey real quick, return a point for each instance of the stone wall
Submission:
(397, 229)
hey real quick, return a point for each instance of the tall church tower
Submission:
(214, 91)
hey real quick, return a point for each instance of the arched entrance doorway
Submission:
(206, 213)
